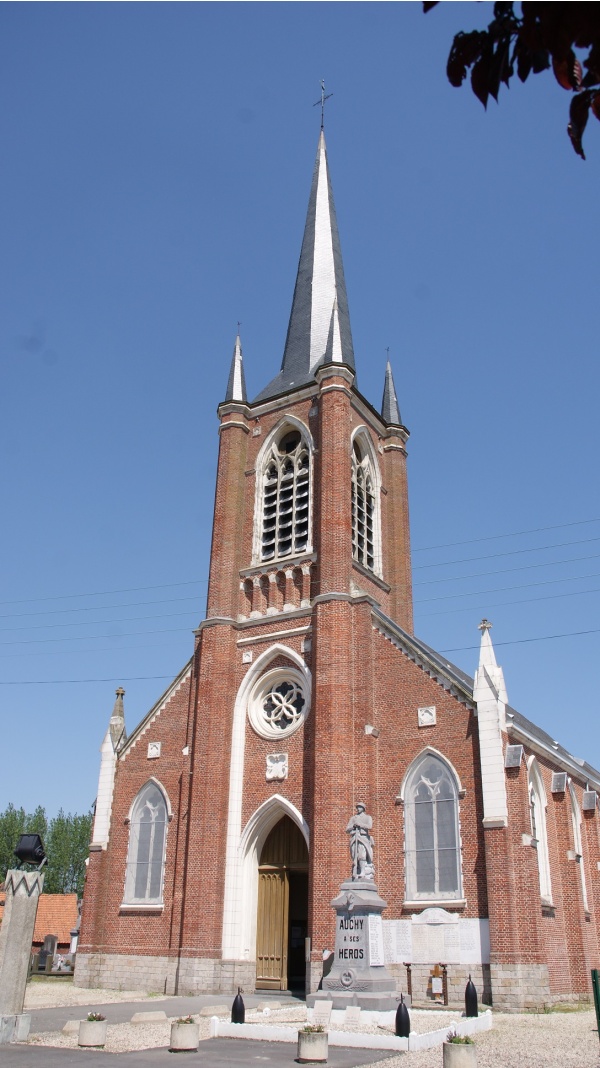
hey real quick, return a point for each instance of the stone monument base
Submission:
(376, 1002)
(358, 975)
(15, 1028)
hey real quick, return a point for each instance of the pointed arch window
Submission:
(578, 843)
(539, 837)
(147, 848)
(365, 505)
(286, 498)
(432, 847)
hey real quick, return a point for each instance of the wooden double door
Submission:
(282, 909)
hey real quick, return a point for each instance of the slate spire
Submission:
(390, 409)
(236, 386)
(319, 318)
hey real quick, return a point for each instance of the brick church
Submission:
(219, 836)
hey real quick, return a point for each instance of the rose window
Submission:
(279, 702)
(283, 705)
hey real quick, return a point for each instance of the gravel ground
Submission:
(54, 993)
(552, 1040)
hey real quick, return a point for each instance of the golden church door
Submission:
(282, 909)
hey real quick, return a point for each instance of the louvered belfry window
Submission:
(285, 528)
(363, 509)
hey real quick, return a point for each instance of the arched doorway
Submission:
(282, 909)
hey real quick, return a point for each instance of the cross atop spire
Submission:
(319, 294)
(324, 96)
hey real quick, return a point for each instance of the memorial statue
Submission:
(361, 845)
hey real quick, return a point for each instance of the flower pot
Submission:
(184, 1037)
(460, 1055)
(312, 1047)
(92, 1033)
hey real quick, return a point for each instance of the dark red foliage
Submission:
(544, 35)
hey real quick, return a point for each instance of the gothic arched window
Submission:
(432, 847)
(365, 532)
(147, 847)
(286, 498)
(537, 815)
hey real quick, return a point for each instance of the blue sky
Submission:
(155, 172)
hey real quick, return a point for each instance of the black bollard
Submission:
(238, 1009)
(402, 1020)
(471, 999)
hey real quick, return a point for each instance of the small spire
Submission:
(390, 410)
(236, 386)
(488, 666)
(116, 727)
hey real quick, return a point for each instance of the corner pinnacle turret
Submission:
(319, 326)
(390, 409)
(236, 386)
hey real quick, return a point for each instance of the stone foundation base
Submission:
(15, 1028)
(163, 975)
(518, 987)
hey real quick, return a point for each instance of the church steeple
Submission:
(390, 409)
(319, 327)
(236, 386)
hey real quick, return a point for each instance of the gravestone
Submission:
(358, 975)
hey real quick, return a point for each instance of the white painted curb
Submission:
(355, 1039)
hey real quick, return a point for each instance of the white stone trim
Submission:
(536, 784)
(235, 935)
(252, 840)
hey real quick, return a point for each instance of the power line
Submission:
(104, 593)
(506, 570)
(427, 548)
(511, 552)
(142, 678)
(93, 608)
(508, 589)
(524, 641)
(90, 622)
(512, 534)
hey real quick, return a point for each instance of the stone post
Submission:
(23, 889)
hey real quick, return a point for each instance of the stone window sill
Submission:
(436, 902)
(157, 906)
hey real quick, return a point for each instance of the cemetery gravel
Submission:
(545, 1040)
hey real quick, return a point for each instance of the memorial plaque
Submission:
(322, 1013)
(352, 1015)
(376, 955)
(397, 941)
(437, 985)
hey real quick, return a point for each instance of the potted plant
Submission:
(312, 1044)
(184, 1035)
(459, 1051)
(92, 1030)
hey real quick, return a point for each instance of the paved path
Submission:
(122, 1011)
(218, 1052)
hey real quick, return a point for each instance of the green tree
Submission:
(67, 847)
(66, 840)
(12, 826)
(544, 35)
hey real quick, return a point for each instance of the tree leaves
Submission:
(546, 34)
(66, 840)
